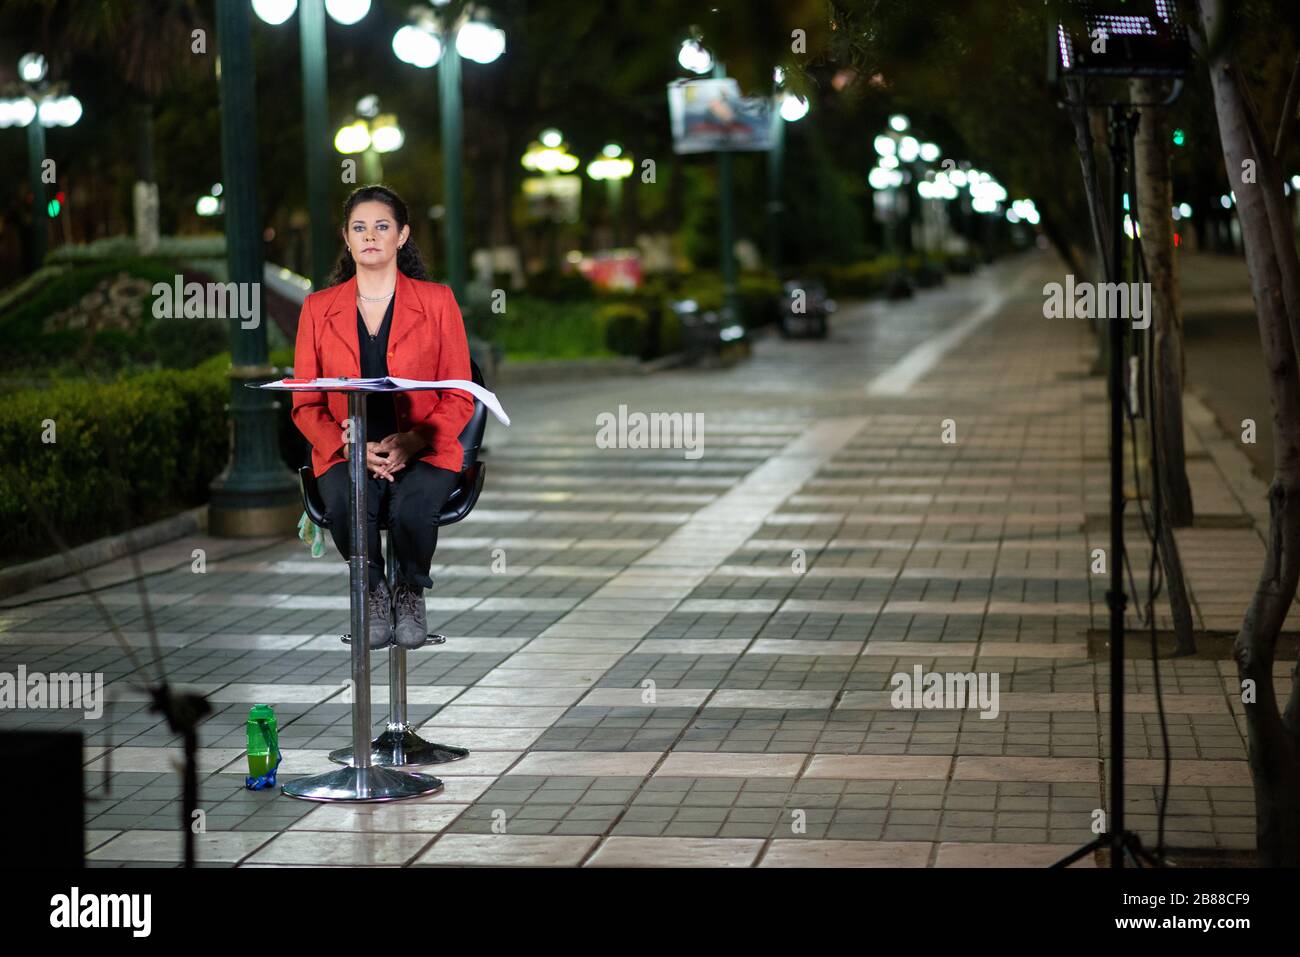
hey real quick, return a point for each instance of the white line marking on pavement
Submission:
(903, 374)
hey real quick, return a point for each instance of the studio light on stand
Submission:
(1102, 41)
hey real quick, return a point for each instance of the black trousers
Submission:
(409, 504)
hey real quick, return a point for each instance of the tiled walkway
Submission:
(665, 660)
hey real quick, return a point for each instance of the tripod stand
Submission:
(1123, 122)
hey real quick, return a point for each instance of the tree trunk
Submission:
(1083, 143)
(1088, 162)
(1155, 200)
(1274, 744)
(1154, 203)
(145, 194)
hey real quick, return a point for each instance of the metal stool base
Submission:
(403, 748)
(362, 784)
(432, 638)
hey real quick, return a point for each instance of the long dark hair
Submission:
(409, 261)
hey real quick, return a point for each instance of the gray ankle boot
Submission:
(380, 624)
(412, 630)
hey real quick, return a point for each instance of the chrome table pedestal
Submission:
(363, 780)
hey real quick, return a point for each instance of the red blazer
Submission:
(426, 341)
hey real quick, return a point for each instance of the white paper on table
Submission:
(393, 384)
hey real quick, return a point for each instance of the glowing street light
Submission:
(386, 137)
(31, 68)
(881, 178)
(370, 137)
(480, 42)
(692, 56)
(549, 155)
(274, 12)
(610, 166)
(793, 108)
(347, 12)
(899, 123)
(1023, 209)
(416, 46)
(59, 111)
(353, 138)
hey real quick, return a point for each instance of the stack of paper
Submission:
(392, 384)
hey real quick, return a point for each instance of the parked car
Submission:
(805, 309)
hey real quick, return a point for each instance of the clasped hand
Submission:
(389, 456)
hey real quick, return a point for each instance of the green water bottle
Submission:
(263, 742)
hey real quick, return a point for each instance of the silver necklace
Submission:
(375, 298)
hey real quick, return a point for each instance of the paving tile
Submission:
(715, 764)
(970, 768)
(783, 700)
(342, 848)
(790, 852)
(635, 698)
(606, 763)
(627, 851)
(506, 850)
(878, 767)
(224, 846)
(418, 816)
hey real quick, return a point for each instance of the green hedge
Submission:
(627, 328)
(888, 273)
(124, 453)
(532, 328)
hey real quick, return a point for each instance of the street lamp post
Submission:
(424, 44)
(40, 219)
(786, 108)
(449, 102)
(727, 224)
(775, 204)
(613, 167)
(31, 69)
(42, 105)
(315, 104)
(315, 110)
(255, 495)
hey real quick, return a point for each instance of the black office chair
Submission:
(463, 496)
(399, 745)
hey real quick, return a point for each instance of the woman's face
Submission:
(372, 234)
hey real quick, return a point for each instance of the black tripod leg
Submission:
(1081, 853)
(190, 793)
